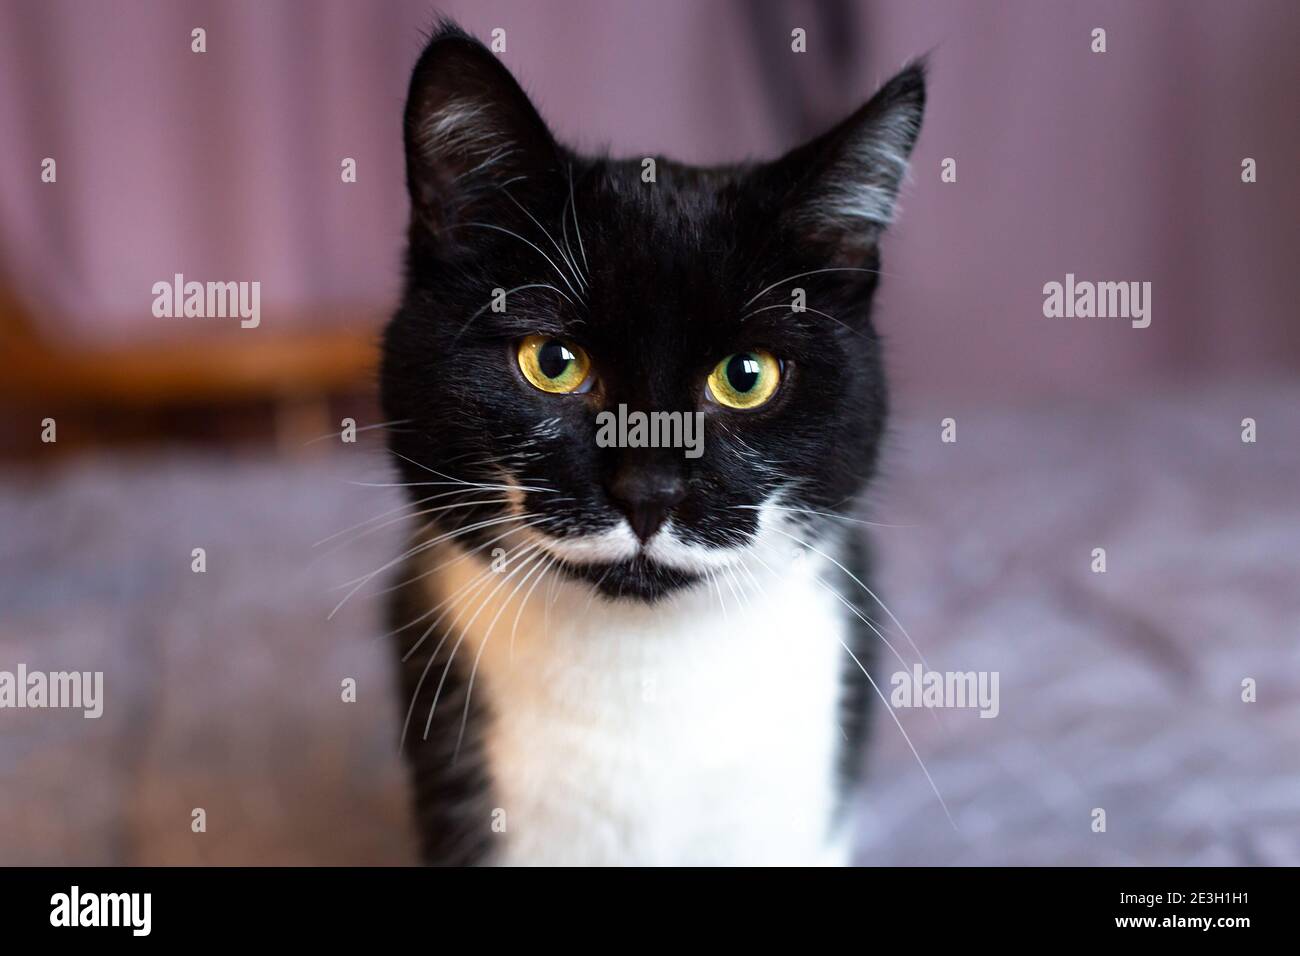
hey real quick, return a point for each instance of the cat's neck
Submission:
(677, 731)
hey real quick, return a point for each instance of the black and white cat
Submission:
(625, 655)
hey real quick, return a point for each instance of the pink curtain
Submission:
(1116, 166)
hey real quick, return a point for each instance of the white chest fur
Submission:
(696, 731)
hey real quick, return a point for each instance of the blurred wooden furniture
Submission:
(296, 371)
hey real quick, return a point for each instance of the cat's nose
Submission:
(645, 497)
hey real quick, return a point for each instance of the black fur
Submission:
(447, 770)
(674, 270)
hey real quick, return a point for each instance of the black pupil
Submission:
(743, 372)
(553, 358)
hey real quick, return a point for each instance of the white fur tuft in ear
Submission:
(462, 134)
(866, 184)
(470, 130)
(855, 171)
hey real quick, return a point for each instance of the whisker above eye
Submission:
(540, 252)
(572, 268)
(518, 288)
(807, 308)
(814, 272)
(576, 228)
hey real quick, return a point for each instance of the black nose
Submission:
(646, 495)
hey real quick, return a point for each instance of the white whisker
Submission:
(366, 578)
(447, 603)
(806, 308)
(467, 554)
(464, 630)
(898, 723)
(479, 581)
(551, 561)
(460, 480)
(885, 701)
(536, 560)
(508, 293)
(822, 514)
(418, 514)
(539, 250)
(576, 228)
(364, 428)
(572, 268)
(801, 275)
(361, 524)
(859, 583)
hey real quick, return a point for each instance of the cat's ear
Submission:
(842, 188)
(469, 131)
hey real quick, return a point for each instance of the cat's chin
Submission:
(637, 579)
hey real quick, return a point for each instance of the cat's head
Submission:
(544, 287)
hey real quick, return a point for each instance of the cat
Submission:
(625, 655)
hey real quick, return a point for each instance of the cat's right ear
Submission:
(840, 190)
(470, 130)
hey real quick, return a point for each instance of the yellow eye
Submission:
(745, 379)
(553, 365)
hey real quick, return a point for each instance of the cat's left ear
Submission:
(470, 131)
(842, 188)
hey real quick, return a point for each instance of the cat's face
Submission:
(679, 292)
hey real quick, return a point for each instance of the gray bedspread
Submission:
(1120, 691)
